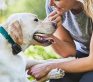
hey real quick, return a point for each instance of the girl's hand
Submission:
(54, 16)
(40, 70)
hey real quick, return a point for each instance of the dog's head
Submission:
(32, 30)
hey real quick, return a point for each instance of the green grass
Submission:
(40, 52)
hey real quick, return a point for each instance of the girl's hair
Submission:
(88, 6)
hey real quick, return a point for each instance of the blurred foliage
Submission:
(16, 6)
(34, 6)
(40, 52)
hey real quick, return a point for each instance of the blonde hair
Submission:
(88, 6)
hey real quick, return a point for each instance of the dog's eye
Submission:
(36, 19)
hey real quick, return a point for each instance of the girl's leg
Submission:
(87, 77)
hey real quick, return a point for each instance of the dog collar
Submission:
(15, 47)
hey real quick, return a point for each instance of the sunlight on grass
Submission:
(39, 52)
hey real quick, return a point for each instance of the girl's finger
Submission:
(53, 17)
(58, 19)
(52, 13)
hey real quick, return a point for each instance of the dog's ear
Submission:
(15, 31)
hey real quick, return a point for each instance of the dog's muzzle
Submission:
(43, 38)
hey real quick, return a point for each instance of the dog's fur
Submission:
(12, 67)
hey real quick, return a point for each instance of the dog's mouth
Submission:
(42, 38)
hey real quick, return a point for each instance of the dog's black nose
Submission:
(54, 25)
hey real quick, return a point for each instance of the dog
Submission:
(13, 64)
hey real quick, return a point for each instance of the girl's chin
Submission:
(60, 12)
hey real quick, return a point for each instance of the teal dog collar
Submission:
(15, 47)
